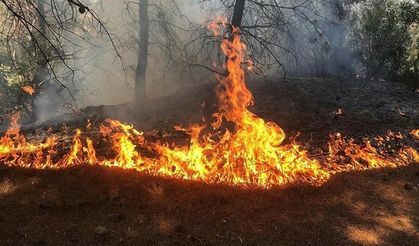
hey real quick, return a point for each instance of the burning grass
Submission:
(237, 148)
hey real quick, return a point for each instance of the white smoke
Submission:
(100, 78)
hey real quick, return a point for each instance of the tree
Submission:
(385, 35)
(158, 24)
(236, 20)
(41, 71)
(269, 29)
(38, 34)
(143, 43)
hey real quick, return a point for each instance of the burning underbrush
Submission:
(237, 147)
(115, 144)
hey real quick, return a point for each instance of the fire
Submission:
(28, 89)
(237, 148)
(122, 138)
(15, 150)
(339, 111)
(248, 154)
(345, 154)
(91, 152)
(214, 25)
(251, 152)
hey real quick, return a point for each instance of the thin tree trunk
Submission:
(41, 16)
(42, 69)
(140, 77)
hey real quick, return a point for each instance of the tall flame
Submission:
(249, 154)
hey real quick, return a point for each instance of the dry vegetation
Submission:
(101, 206)
(69, 207)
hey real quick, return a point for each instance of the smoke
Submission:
(99, 76)
(319, 48)
(103, 78)
(322, 45)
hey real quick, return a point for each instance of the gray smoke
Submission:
(320, 48)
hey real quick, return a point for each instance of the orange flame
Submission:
(15, 150)
(214, 26)
(122, 138)
(28, 89)
(91, 152)
(249, 154)
(363, 157)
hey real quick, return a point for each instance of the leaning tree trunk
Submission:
(140, 76)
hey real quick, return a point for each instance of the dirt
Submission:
(103, 206)
(98, 206)
(298, 105)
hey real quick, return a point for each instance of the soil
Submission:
(301, 106)
(109, 206)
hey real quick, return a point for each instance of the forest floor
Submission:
(88, 205)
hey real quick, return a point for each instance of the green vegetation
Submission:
(386, 33)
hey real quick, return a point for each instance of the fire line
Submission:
(251, 153)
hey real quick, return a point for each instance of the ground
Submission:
(102, 206)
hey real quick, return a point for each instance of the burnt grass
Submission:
(109, 206)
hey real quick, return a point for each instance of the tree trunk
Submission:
(42, 70)
(238, 13)
(236, 21)
(41, 16)
(140, 76)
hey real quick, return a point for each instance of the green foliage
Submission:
(12, 77)
(412, 60)
(21, 57)
(386, 33)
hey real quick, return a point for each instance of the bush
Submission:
(386, 34)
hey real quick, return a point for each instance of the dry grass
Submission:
(377, 207)
(64, 208)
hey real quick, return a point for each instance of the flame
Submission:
(28, 89)
(15, 150)
(339, 111)
(214, 26)
(76, 148)
(365, 156)
(415, 133)
(249, 154)
(250, 64)
(237, 148)
(91, 152)
(122, 138)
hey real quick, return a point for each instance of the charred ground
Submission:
(297, 105)
(92, 205)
